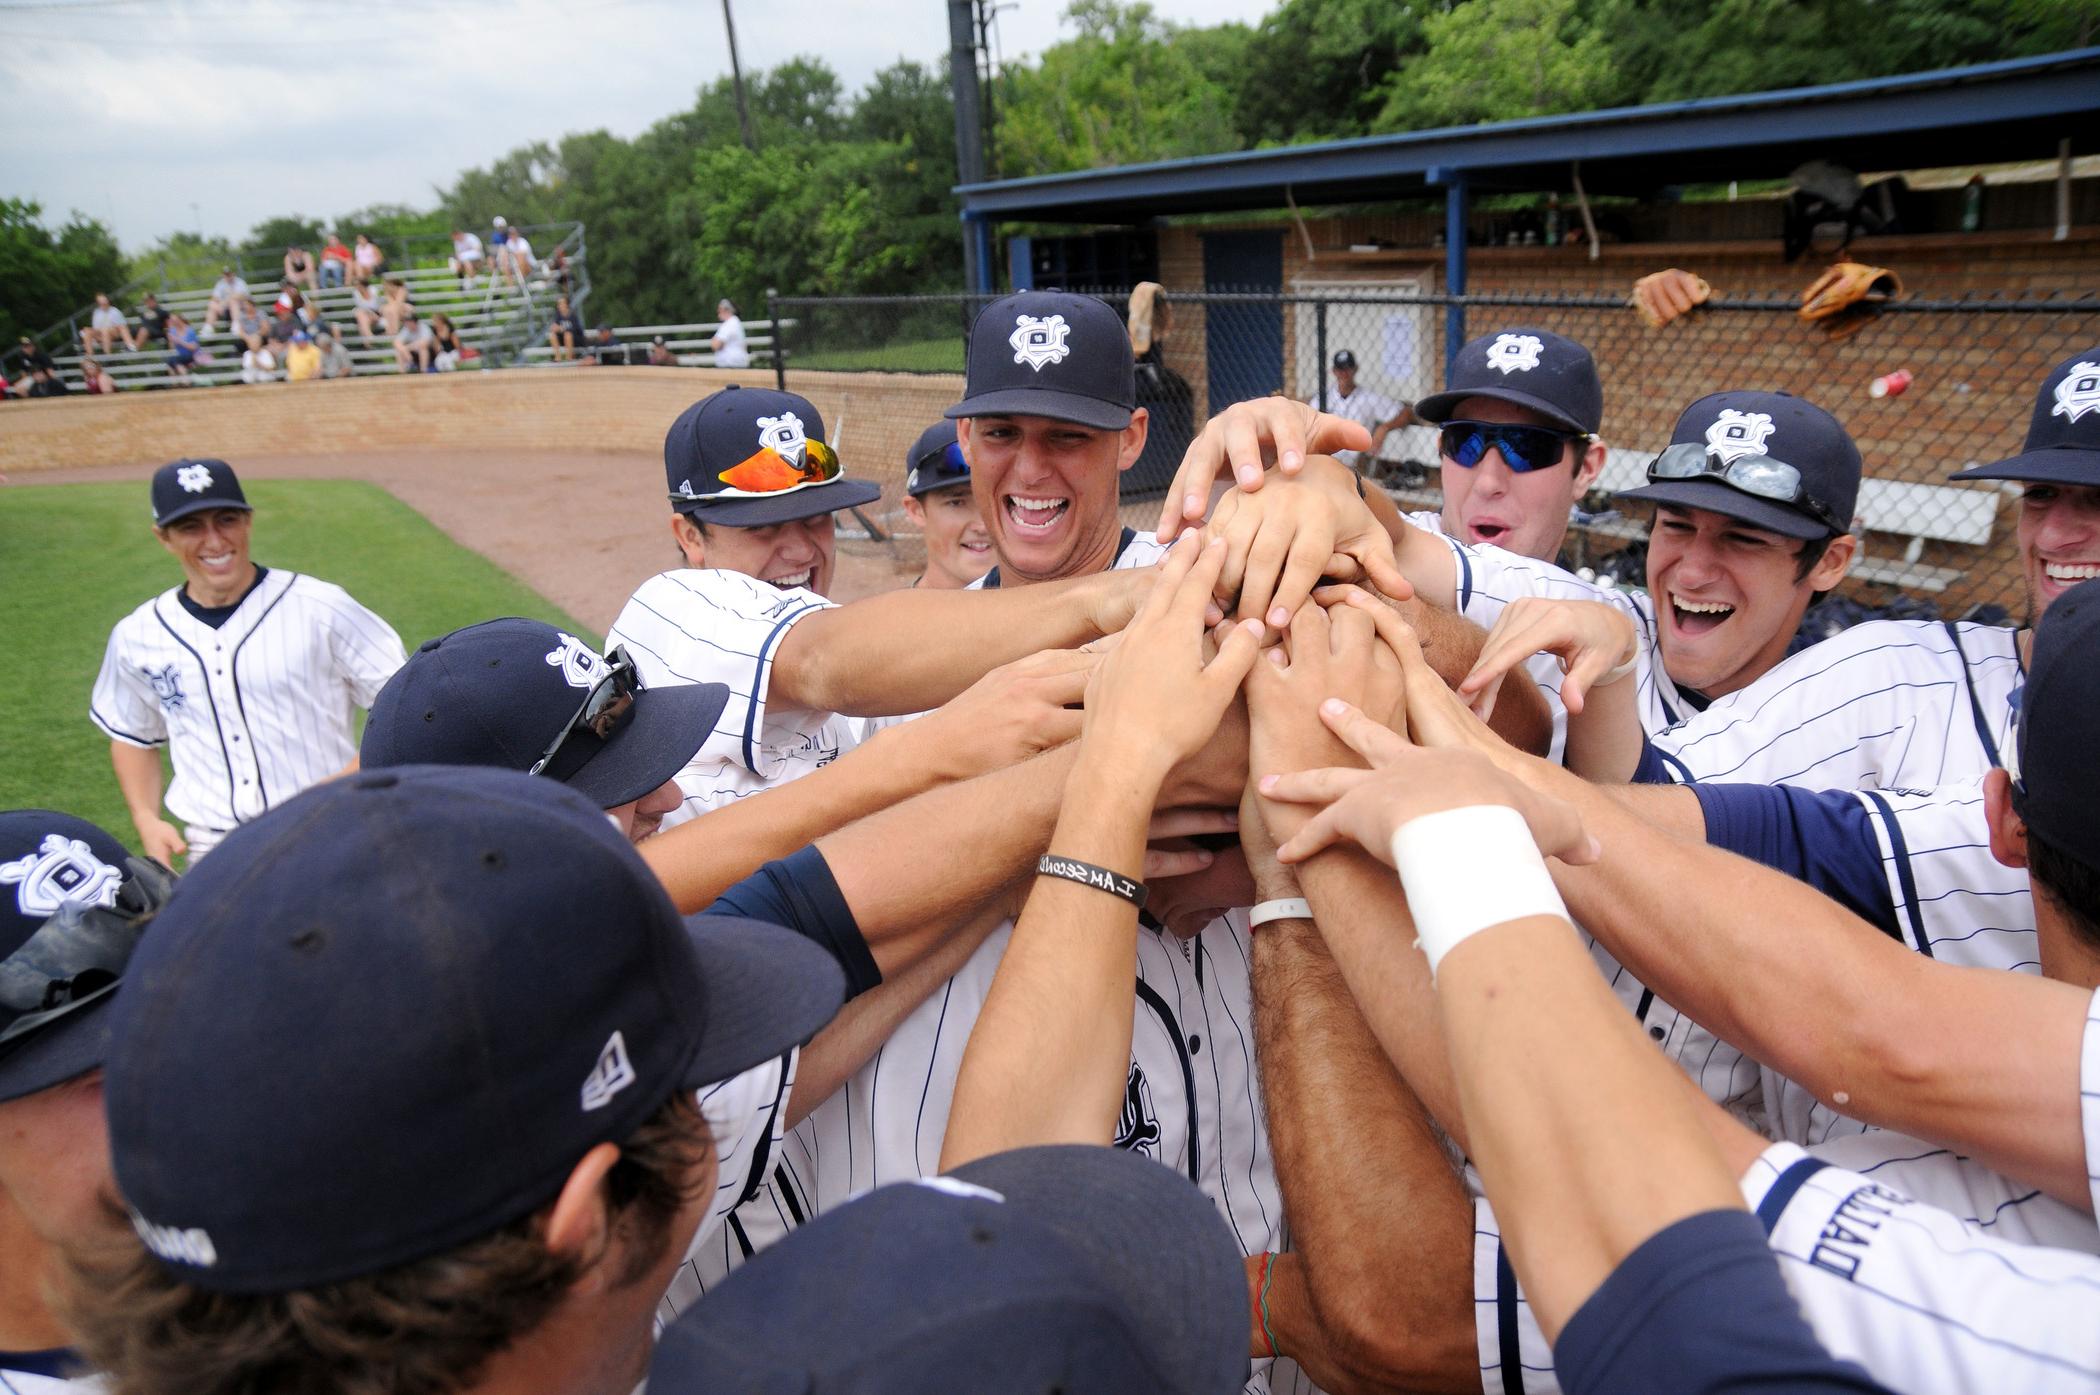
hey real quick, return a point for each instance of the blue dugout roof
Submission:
(1990, 112)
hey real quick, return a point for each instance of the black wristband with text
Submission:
(1087, 874)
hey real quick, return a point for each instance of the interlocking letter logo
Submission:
(1038, 340)
(1737, 434)
(1514, 353)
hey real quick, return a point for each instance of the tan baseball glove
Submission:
(1846, 296)
(1662, 296)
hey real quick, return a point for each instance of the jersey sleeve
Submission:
(1698, 1307)
(2089, 1097)
(1826, 839)
(366, 649)
(713, 626)
(799, 893)
(123, 704)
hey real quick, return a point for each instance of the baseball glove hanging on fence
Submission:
(1846, 296)
(1661, 296)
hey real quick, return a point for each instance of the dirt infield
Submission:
(582, 530)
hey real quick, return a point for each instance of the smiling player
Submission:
(937, 497)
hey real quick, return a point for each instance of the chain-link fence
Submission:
(1956, 380)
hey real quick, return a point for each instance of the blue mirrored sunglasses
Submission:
(1523, 448)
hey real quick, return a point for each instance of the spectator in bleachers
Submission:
(303, 363)
(499, 245)
(225, 293)
(283, 325)
(335, 359)
(555, 270)
(45, 382)
(566, 333)
(518, 252)
(466, 257)
(153, 323)
(660, 355)
(182, 339)
(335, 261)
(33, 358)
(397, 306)
(299, 269)
(446, 340)
(259, 365)
(95, 378)
(366, 261)
(106, 326)
(606, 348)
(367, 307)
(413, 344)
(730, 349)
(248, 324)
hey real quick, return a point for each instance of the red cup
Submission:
(1890, 384)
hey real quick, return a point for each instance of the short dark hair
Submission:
(2067, 883)
(1810, 554)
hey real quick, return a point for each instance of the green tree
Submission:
(45, 276)
(298, 230)
(181, 260)
(1496, 60)
(1316, 69)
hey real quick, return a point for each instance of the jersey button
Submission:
(1195, 1045)
(1657, 1032)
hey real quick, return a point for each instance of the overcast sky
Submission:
(134, 110)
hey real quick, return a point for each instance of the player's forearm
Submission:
(907, 651)
(1423, 558)
(138, 779)
(1451, 644)
(1605, 737)
(1049, 1056)
(1575, 1121)
(1380, 1223)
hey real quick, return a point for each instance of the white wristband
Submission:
(1621, 670)
(1467, 869)
(1289, 908)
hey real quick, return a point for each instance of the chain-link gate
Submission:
(1925, 388)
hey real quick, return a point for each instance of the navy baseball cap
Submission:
(1535, 369)
(1050, 354)
(1345, 359)
(1055, 1268)
(1732, 426)
(751, 457)
(184, 487)
(2063, 438)
(58, 967)
(390, 1015)
(502, 692)
(2054, 758)
(935, 461)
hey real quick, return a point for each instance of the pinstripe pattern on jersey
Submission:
(2089, 1095)
(255, 710)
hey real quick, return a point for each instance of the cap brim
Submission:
(68, 1048)
(768, 989)
(784, 508)
(2061, 465)
(1438, 407)
(1042, 402)
(668, 725)
(1716, 497)
(936, 484)
(190, 506)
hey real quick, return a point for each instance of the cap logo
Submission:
(1737, 434)
(612, 1074)
(580, 668)
(1514, 353)
(62, 870)
(1039, 339)
(955, 1186)
(190, 1246)
(2079, 392)
(194, 478)
(784, 435)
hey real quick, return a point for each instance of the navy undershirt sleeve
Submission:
(1822, 837)
(1653, 767)
(1699, 1309)
(799, 892)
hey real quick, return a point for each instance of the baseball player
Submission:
(522, 695)
(937, 498)
(1374, 411)
(72, 905)
(459, 956)
(249, 675)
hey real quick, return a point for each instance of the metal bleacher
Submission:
(693, 344)
(498, 319)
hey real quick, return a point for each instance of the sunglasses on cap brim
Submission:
(768, 472)
(78, 955)
(1760, 476)
(1523, 448)
(948, 460)
(606, 708)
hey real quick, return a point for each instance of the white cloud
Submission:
(134, 110)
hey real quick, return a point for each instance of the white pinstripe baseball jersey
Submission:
(254, 711)
(747, 1114)
(712, 626)
(1928, 1298)
(2089, 1096)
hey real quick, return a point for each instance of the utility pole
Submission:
(969, 113)
(736, 73)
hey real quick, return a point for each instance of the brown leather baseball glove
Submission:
(1846, 296)
(1662, 296)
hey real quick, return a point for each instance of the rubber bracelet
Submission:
(1621, 670)
(1268, 1272)
(1467, 869)
(1087, 874)
(1289, 908)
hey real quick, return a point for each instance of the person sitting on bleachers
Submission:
(466, 257)
(398, 304)
(366, 306)
(335, 261)
(106, 327)
(554, 270)
(366, 261)
(183, 340)
(45, 382)
(446, 341)
(660, 355)
(153, 323)
(299, 269)
(248, 326)
(283, 325)
(225, 292)
(33, 358)
(259, 365)
(414, 345)
(335, 359)
(95, 378)
(517, 255)
(302, 364)
(567, 332)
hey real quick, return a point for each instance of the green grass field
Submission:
(75, 558)
(944, 355)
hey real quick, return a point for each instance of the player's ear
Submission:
(915, 509)
(579, 1224)
(1836, 560)
(692, 543)
(1133, 442)
(2008, 829)
(1588, 467)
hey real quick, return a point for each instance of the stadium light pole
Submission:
(736, 75)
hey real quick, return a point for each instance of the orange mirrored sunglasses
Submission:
(770, 472)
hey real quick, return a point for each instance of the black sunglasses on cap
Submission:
(1523, 448)
(78, 955)
(604, 710)
(1759, 476)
